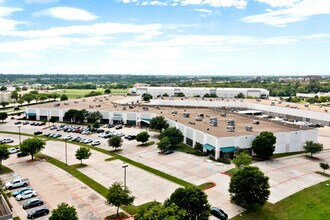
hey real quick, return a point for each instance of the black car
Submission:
(21, 154)
(169, 152)
(219, 213)
(130, 137)
(37, 212)
(17, 123)
(37, 132)
(33, 203)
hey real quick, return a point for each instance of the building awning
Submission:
(146, 120)
(228, 149)
(31, 114)
(208, 147)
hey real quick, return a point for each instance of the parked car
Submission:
(77, 139)
(215, 211)
(32, 123)
(7, 140)
(94, 143)
(15, 183)
(26, 123)
(169, 152)
(57, 135)
(22, 154)
(18, 122)
(37, 132)
(119, 127)
(130, 137)
(20, 191)
(26, 195)
(13, 150)
(33, 203)
(37, 212)
(68, 137)
(87, 141)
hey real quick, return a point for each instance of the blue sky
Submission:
(174, 37)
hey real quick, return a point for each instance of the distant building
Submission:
(311, 77)
(5, 212)
(5, 97)
(200, 91)
(138, 85)
(312, 95)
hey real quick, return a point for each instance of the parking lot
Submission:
(54, 186)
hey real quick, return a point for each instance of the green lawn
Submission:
(4, 169)
(310, 203)
(79, 93)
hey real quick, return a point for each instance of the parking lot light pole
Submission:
(19, 135)
(66, 152)
(125, 166)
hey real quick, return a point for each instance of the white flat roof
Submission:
(249, 112)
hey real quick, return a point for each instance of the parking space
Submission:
(144, 185)
(54, 186)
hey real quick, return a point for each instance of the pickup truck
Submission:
(15, 183)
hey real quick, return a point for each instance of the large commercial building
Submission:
(200, 92)
(218, 130)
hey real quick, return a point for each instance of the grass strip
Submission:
(287, 154)
(16, 133)
(4, 170)
(146, 144)
(110, 159)
(323, 174)
(206, 185)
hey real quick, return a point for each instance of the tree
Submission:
(94, 116)
(312, 147)
(4, 154)
(115, 142)
(119, 195)
(158, 123)
(64, 97)
(53, 120)
(24, 88)
(155, 210)
(146, 97)
(249, 186)
(3, 116)
(14, 95)
(242, 160)
(142, 137)
(164, 144)
(4, 104)
(64, 212)
(32, 146)
(324, 166)
(174, 134)
(71, 114)
(3, 88)
(28, 97)
(83, 153)
(240, 96)
(192, 200)
(264, 144)
(107, 91)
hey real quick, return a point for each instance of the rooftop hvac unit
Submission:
(91, 106)
(145, 108)
(57, 104)
(124, 108)
(97, 105)
(213, 121)
(198, 118)
(76, 101)
(223, 114)
(200, 115)
(230, 128)
(272, 103)
(248, 128)
(186, 114)
(256, 122)
(84, 100)
(230, 122)
(66, 103)
(174, 112)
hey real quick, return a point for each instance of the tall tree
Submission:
(146, 97)
(53, 120)
(174, 134)
(64, 97)
(264, 144)
(32, 146)
(28, 97)
(193, 201)
(64, 212)
(107, 91)
(164, 144)
(4, 154)
(312, 147)
(94, 116)
(4, 104)
(3, 88)
(155, 210)
(14, 95)
(3, 116)
(142, 137)
(71, 114)
(243, 159)
(158, 123)
(119, 195)
(83, 153)
(249, 186)
(115, 142)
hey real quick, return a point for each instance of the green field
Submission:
(310, 203)
(79, 93)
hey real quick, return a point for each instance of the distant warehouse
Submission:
(200, 92)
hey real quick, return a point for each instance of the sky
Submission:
(168, 37)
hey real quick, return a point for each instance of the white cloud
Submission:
(68, 13)
(279, 3)
(203, 10)
(5, 23)
(40, 1)
(298, 12)
(213, 3)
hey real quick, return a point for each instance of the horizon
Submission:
(170, 38)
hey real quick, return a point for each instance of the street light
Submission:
(125, 166)
(66, 153)
(19, 135)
